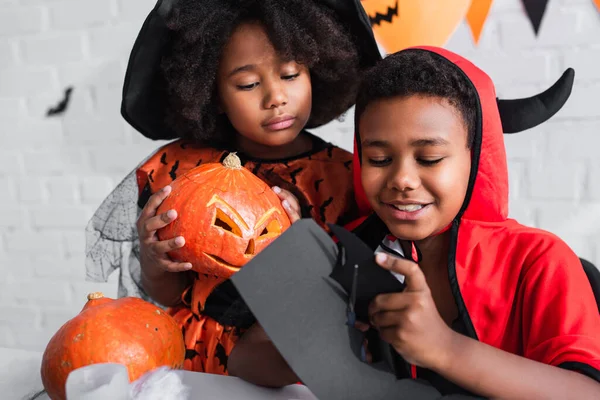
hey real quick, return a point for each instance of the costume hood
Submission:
(487, 196)
(516, 288)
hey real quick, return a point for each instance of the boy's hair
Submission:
(300, 30)
(420, 72)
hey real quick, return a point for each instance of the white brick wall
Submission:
(54, 172)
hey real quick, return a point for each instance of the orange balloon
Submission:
(597, 4)
(398, 24)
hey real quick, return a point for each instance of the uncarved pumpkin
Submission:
(226, 215)
(128, 331)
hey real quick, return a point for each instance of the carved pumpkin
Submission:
(398, 24)
(226, 215)
(128, 331)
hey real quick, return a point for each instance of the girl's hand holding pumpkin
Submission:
(154, 259)
(289, 202)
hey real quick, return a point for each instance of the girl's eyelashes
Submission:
(251, 86)
(248, 87)
(291, 77)
(286, 77)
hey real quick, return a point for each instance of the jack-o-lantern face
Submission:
(236, 233)
(226, 215)
(398, 24)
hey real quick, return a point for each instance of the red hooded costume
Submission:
(519, 289)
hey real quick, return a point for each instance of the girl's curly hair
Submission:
(300, 30)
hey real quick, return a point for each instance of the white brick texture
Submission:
(53, 49)
(16, 20)
(55, 171)
(19, 81)
(80, 14)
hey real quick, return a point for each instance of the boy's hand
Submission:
(289, 202)
(410, 321)
(153, 252)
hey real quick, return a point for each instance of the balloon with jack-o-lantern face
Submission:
(398, 24)
(226, 215)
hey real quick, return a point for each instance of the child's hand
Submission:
(289, 202)
(153, 252)
(410, 321)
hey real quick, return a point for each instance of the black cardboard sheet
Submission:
(303, 311)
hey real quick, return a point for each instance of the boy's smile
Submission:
(409, 211)
(415, 163)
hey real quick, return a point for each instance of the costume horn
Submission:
(520, 114)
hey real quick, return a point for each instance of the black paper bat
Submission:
(61, 107)
(290, 288)
(371, 280)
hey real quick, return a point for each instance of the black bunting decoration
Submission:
(535, 10)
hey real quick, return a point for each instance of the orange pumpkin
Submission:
(128, 331)
(226, 215)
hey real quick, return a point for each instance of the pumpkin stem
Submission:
(95, 296)
(232, 161)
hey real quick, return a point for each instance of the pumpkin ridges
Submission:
(225, 179)
(187, 200)
(111, 324)
(238, 199)
(113, 331)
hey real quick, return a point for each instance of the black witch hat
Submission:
(143, 102)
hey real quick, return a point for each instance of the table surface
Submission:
(20, 379)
